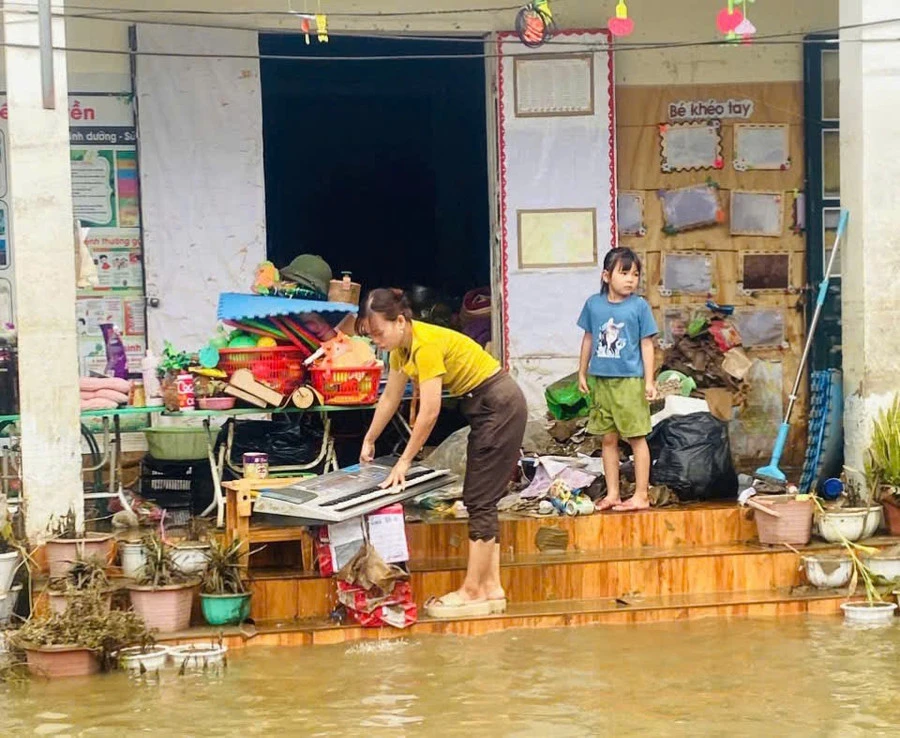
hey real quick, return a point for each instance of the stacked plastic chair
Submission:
(825, 444)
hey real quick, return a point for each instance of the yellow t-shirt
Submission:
(461, 363)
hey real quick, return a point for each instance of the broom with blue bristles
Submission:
(772, 471)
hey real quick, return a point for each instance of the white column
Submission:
(870, 189)
(41, 214)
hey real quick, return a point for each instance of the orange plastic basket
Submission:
(280, 367)
(347, 386)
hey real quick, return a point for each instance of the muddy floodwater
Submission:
(793, 677)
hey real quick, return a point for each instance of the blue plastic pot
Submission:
(227, 609)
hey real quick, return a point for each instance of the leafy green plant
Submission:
(66, 527)
(223, 571)
(173, 361)
(84, 575)
(883, 456)
(87, 623)
(159, 569)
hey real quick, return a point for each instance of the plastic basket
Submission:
(176, 443)
(280, 367)
(795, 524)
(347, 386)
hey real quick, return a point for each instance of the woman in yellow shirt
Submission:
(438, 358)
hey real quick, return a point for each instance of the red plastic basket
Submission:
(347, 386)
(280, 367)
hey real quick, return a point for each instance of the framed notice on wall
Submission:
(687, 146)
(555, 86)
(762, 146)
(565, 237)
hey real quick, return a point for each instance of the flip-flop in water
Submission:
(454, 606)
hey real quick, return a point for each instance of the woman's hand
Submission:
(367, 453)
(397, 476)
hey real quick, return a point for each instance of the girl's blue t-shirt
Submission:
(617, 329)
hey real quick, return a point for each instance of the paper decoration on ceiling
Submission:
(620, 24)
(308, 20)
(322, 28)
(691, 207)
(765, 271)
(534, 24)
(688, 146)
(734, 23)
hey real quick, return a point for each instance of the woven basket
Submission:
(795, 524)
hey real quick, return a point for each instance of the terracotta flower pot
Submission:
(62, 661)
(59, 601)
(891, 512)
(166, 609)
(63, 552)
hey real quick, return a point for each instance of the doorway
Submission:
(379, 166)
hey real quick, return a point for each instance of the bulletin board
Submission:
(770, 171)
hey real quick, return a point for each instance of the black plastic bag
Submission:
(692, 455)
(289, 441)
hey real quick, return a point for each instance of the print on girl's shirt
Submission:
(610, 340)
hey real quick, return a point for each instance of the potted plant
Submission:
(883, 463)
(10, 556)
(162, 594)
(79, 641)
(874, 610)
(224, 598)
(85, 578)
(191, 554)
(69, 544)
(172, 363)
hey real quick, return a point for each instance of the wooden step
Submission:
(317, 631)
(739, 567)
(702, 524)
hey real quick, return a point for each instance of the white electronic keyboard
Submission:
(348, 493)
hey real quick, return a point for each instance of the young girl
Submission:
(616, 368)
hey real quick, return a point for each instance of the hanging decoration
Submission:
(620, 24)
(734, 23)
(534, 23)
(322, 28)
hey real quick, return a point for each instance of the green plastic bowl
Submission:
(227, 609)
(176, 443)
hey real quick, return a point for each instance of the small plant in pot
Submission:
(69, 543)
(85, 578)
(10, 553)
(874, 610)
(191, 555)
(224, 598)
(79, 641)
(162, 594)
(883, 463)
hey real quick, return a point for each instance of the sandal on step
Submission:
(498, 605)
(454, 606)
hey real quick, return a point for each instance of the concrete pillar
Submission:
(41, 215)
(870, 189)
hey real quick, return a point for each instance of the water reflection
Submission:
(741, 678)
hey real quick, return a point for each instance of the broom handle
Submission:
(820, 301)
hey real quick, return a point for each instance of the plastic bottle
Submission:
(152, 388)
